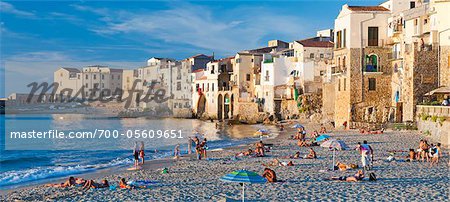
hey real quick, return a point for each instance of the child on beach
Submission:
(270, 175)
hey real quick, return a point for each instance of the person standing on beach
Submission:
(204, 148)
(364, 153)
(141, 153)
(370, 154)
(136, 155)
(177, 152)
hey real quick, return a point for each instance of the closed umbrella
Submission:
(243, 176)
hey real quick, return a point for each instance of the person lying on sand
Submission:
(312, 154)
(315, 134)
(357, 177)
(302, 143)
(124, 185)
(68, 183)
(245, 153)
(92, 184)
(276, 162)
(270, 175)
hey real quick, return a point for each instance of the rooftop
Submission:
(71, 69)
(321, 42)
(367, 8)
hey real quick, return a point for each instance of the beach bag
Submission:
(372, 177)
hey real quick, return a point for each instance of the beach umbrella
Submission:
(334, 145)
(322, 137)
(262, 132)
(298, 126)
(243, 176)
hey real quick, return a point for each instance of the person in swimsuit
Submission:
(69, 183)
(124, 185)
(136, 156)
(92, 184)
(270, 175)
(357, 177)
(259, 149)
(312, 154)
(204, 148)
(141, 153)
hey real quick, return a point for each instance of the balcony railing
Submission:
(374, 43)
(224, 88)
(371, 68)
(268, 60)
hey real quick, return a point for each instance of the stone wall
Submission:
(248, 113)
(439, 132)
(289, 108)
(444, 68)
(328, 100)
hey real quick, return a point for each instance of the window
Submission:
(103, 77)
(86, 85)
(103, 85)
(252, 59)
(87, 76)
(95, 77)
(373, 36)
(338, 41)
(207, 87)
(267, 75)
(372, 84)
(321, 55)
(238, 60)
(118, 77)
(339, 85)
(344, 62)
(412, 4)
(371, 63)
(248, 77)
(178, 85)
(345, 84)
(425, 21)
(311, 55)
(344, 38)
(212, 87)
(78, 76)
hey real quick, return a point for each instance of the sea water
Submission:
(30, 161)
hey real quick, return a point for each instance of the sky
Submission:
(38, 37)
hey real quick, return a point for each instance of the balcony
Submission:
(374, 42)
(224, 88)
(441, 111)
(371, 68)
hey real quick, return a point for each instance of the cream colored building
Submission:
(69, 79)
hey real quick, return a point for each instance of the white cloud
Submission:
(9, 8)
(223, 31)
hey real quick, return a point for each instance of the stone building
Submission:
(361, 74)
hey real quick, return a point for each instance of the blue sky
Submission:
(38, 37)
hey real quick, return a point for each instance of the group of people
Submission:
(89, 184)
(426, 152)
(138, 152)
(201, 147)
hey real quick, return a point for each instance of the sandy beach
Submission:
(189, 179)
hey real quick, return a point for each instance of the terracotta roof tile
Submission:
(367, 8)
(322, 42)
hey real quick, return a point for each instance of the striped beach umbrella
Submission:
(243, 176)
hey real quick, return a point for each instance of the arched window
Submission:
(344, 63)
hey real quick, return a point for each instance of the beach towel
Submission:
(142, 183)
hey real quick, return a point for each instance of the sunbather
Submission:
(124, 185)
(68, 183)
(312, 154)
(270, 175)
(357, 177)
(92, 184)
(259, 149)
(245, 153)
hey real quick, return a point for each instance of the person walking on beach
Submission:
(136, 155)
(177, 152)
(370, 155)
(141, 153)
(364, 153)
(204, 148)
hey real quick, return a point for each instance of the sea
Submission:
(28, 160)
